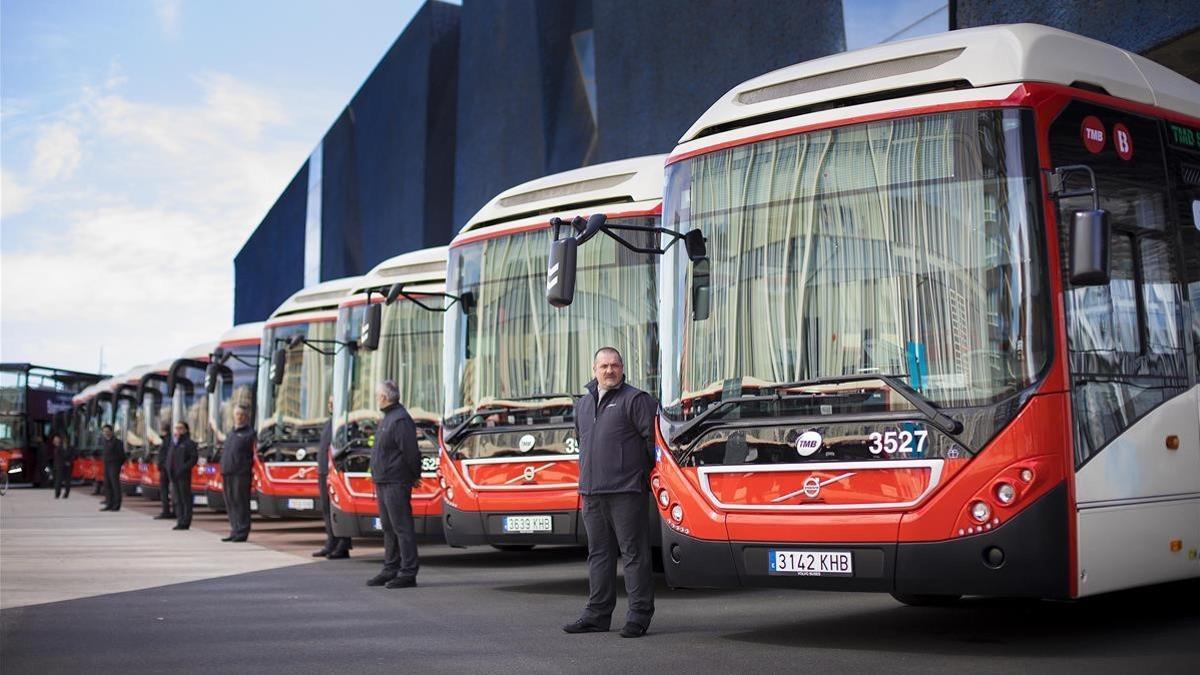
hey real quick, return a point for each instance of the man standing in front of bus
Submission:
(164, 478)
(113, 455)
(181, 459)
(395, 468)
(335, 548)
(614, 423)
(237, 462)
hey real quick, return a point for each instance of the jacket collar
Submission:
(593, 387)
(390, 408)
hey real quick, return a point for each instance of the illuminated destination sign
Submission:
(1183, 137)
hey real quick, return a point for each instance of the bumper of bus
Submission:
(285, 506)
(131, 487)
(480, 528)
(1034, 543)
(366, 525)
(216, 499)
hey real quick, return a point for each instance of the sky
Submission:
(141, 141)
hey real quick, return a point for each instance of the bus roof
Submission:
(243, 333)
(200, 352)
(626, 180)
(324, 295)
(980, 57)
(133, 375)
(425, 265)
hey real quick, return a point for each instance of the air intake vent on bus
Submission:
(602, 183)
(426, 268)
(839, 78)
(314, 297)
(1191, 174)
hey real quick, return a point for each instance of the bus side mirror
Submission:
(694, 242)
(701, 290)
(210, 377)
(278, 361)
(393, 293)
(1090, 233)
(368, 336)
(560, 272)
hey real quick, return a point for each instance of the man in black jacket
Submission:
(164, 478)
(237, 462)
(395, 468)
(64, 458)
(335, 548)
(614, 423)
(181, 459)
(113, 455)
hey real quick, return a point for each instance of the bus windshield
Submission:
(238, 392)
(409, 352)
(511, 350)
(295, 411)
(12, 432)
(905, 247)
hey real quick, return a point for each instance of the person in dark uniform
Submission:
(164, 477)
(614, 423)
(335, 548)
(181, 459)
(64, 458)
(237, 461)
(395, 468)
(113, 454)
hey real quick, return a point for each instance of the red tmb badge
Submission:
(1092, 132)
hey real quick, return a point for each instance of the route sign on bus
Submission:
(1182, 136)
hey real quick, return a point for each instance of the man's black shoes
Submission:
(179, 527)
(165, 516)
(339, 555)
(584, 626)
(402, 582)
(238, 540)
(229, 538)
(380, 579)
(323, 553)
(632, 630)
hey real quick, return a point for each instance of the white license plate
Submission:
(137, 490)
(300, 504)
(376, 524)
(202, 500)
(253, 504)
(528, 524)
(811, 563)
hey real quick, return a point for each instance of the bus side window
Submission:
(1187, 201)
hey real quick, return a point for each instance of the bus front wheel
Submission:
(926, 600)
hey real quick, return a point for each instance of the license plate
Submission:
(528, 524)
(253, 504)
(376, 524)
(137, 490)
(811, 563)
(300, 504)
(202, 500)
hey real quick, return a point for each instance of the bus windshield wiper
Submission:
(498, 407)
(928, 410)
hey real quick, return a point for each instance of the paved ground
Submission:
(480, 610)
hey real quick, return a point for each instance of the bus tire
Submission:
(513, 548)
(913, 600)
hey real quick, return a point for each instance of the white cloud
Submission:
(14, 197)
(57, 152)
(167, 13)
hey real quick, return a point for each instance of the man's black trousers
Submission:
(332, 543)
(237, 503)
(618, 526)
(112, 486)
(399, 533)
(181, 489)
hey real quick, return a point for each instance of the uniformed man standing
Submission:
(181, 459)
(335, 548)
(614, 423)
(164, 478)
(64, 458)
(113, 455)
(237, 461)
(395, 468)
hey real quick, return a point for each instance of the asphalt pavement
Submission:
(481, 610)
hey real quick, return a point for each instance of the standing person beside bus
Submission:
(164, 478)
(64, 458)
(395, 468)
(614, 423)
(113, 455)
(335, 548)
(237, 463)
(181, 459)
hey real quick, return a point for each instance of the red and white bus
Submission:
(232, 383)
(189, 403)
(34, 402)
(129, 425)
(945, 338)
(513, 366)
(409, 351)
(151, 395)
(95, 409)
(293, 409)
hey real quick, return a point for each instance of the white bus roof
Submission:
(133, 375)
(981, 57)
(243, 332)
(425, 265)
(628, 180)
(324, 295)
(200, 352)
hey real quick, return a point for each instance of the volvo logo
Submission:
(812, 487)
(808, 443)
(526, 443)
(529, 473)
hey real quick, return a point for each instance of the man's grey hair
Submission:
(390, 389)
(620, 359)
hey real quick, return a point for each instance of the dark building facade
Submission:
(270, 266)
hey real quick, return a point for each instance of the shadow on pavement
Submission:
(1150, 619)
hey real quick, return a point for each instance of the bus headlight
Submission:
(981, 512)
(1006, 494)
(664, 498)
(677, 513)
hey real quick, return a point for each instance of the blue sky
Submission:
(142, 140)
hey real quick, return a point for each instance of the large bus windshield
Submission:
(513, 351)
(905, 247)
(295, 411)
(234, 392)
